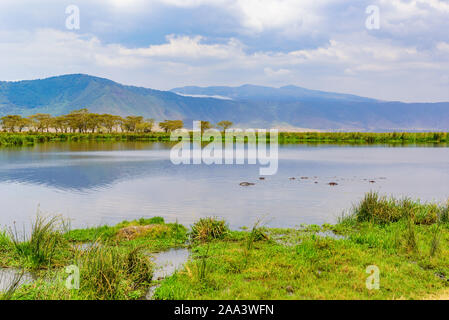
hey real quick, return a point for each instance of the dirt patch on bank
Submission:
(133, 232)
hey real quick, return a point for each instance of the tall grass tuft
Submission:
(40, 247)
(435, 243)
(410, 236)
(377, 209)
(207, 229)
(202, 265)
(257, 234)
(381, 210)
(110, 272)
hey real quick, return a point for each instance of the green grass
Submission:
(106, 273)
(111, 266)
(313, 267)
(407, 240)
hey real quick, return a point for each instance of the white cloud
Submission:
(276, 73)
(317, 44)
(417, 7)
(262, 15)
(353, 64)
(443, 46)
(188, 48)
(193, 3)
(412, 19)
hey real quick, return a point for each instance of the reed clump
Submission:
(209, 228)
(381, 209)
(111, 272)
(45, 245)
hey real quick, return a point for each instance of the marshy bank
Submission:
(113, 262)
(356, 138)
(407, 240)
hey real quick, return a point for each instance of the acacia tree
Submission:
(171, 125)
(41, 121)
(9, 123)
(224, 125)
(77, 120)
(23, 123)
(132, 122)
(93, 122)
(60, 123)
(145, 126)
(110, 121)
(83, 121)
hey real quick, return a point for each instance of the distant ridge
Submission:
(252, 92)
(247, 105)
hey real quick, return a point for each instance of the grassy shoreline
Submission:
(26, 138)
(407, 240)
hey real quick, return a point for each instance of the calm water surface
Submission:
(105, 183)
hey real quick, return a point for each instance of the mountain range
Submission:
(288, 107)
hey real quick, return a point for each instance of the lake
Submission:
(105, 183)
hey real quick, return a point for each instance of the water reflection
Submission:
(75, 167)
(95, 183)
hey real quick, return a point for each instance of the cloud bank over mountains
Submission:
(170, 43)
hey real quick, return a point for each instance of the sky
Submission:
(330, 45)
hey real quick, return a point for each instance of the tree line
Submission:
(83, 121)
